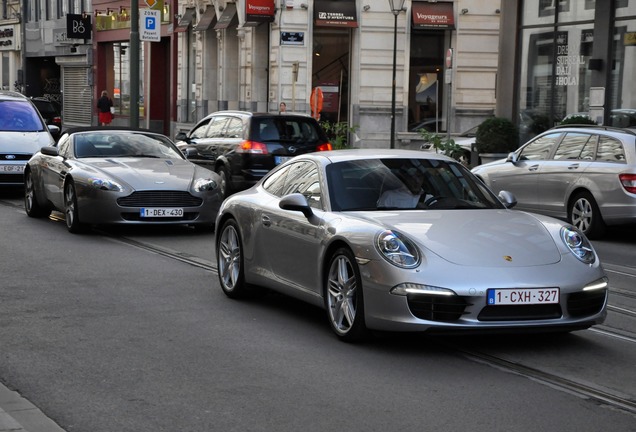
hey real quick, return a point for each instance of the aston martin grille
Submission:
(160, 199)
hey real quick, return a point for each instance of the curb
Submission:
(19, 415)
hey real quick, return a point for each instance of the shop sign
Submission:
(257, 11)
(433, 15)
(78, 26)
(330, 13)
(292, 38)
(7, 41)
(568, 63)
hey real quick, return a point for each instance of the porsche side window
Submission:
(303, 178)
(540, 148)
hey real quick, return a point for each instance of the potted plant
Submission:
(338, 133)
(495, 138)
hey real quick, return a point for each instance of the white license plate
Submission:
(161, 212)
(12, 168)
(280, 159)
(528, 296)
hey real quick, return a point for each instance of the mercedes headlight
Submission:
(397, 249)
(578, 244)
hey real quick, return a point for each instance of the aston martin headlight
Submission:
(104, 184)
(201, 185)
(397, 249)
(580, 246)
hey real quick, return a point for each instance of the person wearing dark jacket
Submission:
(104, 103)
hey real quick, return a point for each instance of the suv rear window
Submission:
(285, 129)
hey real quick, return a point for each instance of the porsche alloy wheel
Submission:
(31, 204)
(71, 212)
(586, 216)
(230, 261)
(343, 297)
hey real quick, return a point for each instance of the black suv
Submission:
(50, 111)
(243, 146)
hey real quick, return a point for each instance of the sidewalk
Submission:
(19, 415)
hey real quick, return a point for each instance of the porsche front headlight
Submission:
(104, 184)
(580, 246)
(397, 249)
(201, 185)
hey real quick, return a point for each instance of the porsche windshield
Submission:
(387, 184)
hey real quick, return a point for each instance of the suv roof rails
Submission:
(602, 127)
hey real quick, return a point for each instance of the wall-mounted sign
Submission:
(629, 39)
(78, 26)
(292, 38)
(7, 40)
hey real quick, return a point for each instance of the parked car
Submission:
(22, 133)
(242, 146)
(585, 175)
(455, 260)
(100, 176)
(50, 111)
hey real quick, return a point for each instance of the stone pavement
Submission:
(19, 415)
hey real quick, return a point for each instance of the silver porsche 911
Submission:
(101, 176)
(404, 240)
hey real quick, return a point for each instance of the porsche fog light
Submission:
(202, 185)
(397, 249)
(104, 184)
(413, 288)
(578, 244)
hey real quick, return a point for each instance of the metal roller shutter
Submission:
(78, 103)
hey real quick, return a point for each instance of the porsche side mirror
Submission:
(296, 202)
(507, 198)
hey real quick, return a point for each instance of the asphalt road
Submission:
(107, 334)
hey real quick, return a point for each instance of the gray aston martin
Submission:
(406, 241)
(102, 176)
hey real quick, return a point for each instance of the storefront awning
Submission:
(433, 15)
(185, 21)
(207, 19)
(228, 17)
(335, 13)
(259, 11)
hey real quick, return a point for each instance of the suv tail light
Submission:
(57, 121)
(252, 147)
(324, 147)
(629, 182)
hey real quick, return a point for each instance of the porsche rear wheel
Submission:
(229, 252)
(71, 212)
(31, 204)
(344, 297)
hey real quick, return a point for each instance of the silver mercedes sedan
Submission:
(404, 240)
(104, 176)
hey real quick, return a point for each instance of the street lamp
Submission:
(396, 8)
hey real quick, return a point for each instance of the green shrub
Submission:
(497, 135)
(338, 133)
(578, 120)
(448, 147)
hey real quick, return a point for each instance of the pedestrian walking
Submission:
(104, 105)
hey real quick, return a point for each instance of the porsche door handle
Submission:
(266, 221)
(573, 167)
(533, 168)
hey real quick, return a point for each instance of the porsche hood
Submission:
(484, 238)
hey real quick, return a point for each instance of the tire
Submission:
(71, 211)
(344, 297)
(226, 182)
(229, 256)
(583, 213)
(31, 204)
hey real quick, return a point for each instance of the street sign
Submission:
(149, 25)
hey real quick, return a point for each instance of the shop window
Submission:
(121, 78)
(331, 72)
(425, 81)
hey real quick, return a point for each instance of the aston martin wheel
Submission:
(344, 298)
(31, 204)
(71, 211)
(229, 252)
(584, 214)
